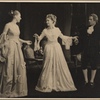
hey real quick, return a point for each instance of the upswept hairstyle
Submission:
(52, 17)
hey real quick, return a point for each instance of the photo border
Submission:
(49, 1)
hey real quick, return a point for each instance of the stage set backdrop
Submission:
(70, 18)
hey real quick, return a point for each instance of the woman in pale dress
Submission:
(55, 74)
(13, 81)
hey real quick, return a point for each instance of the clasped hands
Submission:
(36, 36)
(76, 41)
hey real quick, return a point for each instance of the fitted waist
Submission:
(52, 41)
(14, 38)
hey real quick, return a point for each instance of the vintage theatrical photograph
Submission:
(50, 50)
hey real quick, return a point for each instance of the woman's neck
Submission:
(51, 27)
(14, 21)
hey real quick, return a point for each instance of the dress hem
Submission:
(38, 89)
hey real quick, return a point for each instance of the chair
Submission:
(32, 57)
(77, 62)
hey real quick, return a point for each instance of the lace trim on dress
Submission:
(67, 41)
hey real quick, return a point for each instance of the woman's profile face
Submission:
(18, 17)
(49, 22)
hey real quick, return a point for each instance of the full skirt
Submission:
(13, 81)
(55, 74)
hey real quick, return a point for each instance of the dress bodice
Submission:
(52, 34)
(13, 33)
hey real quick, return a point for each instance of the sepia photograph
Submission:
(50, 50)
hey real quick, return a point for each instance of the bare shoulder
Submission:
(57, 28)
(44, 30)
(8, 24)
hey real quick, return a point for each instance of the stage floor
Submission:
(33, 72)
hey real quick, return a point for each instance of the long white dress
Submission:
(55, 74)
(13, 80)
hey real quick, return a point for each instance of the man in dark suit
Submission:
(89, 39)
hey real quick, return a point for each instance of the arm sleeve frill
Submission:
(3, 48)
(66, 40)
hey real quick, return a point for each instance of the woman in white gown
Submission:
(55, 74)
(13, 80)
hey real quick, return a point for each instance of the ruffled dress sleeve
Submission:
(4, 43)
(3, 47)
(66, 40)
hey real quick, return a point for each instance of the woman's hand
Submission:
(75, 37)
(36, 36)
(76, 40)
(28, 42)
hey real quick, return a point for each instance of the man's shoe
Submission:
(91, 84)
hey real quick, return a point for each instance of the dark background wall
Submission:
(70, 17)
(4, 10)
